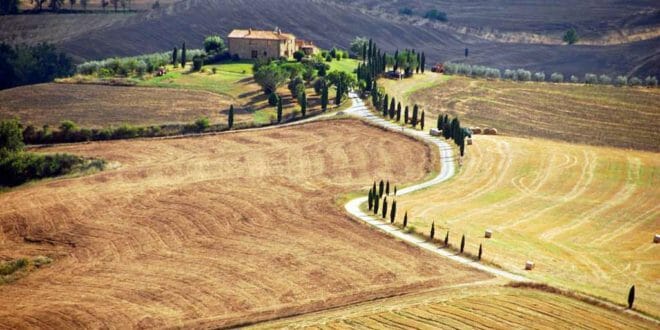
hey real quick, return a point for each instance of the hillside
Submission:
(191, 20)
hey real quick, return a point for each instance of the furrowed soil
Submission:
(102, 106)
(214, 231)
(480, 307)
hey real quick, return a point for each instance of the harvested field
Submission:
(597, 115)
(586, 216)
(481, 307)
(214, 231)
(102, 106)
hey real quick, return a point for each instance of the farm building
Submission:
(262, 44)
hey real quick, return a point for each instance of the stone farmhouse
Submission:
(261, 44)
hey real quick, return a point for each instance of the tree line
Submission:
(24, 64)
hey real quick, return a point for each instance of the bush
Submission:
(634, 81)
(201, 124)
(571, 36)
(539, 76)
(198, 62)
(557, 77)
(620, 81)
(510, 74)
(270, 77)
(437, 15)
(523, 75)
(651, 81)
(298, 55)
(590, 79)
(575, 79)
(604, 79)
(11, 137)
(20, 167)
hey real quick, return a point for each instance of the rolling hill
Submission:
(337, 23)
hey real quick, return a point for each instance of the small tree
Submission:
(175, 52)
(462, 243)
(392, 108)
(631, 297)
(230, 118)
(398, 112)
(273, 99)
(371, 200)
(385, 207)
(381, 188)
(394, 190)
(480, 251)
(303, 103)
(414, 116)
(279, 109)
(393, 212)
(405, 219)
(447, 238)
(439, 122)
(405, 116)
(432, 230)
(376, 204)
(201, 124)
(374, 188)
(183, 55)
(421, 121)
(324, 97)
(214, 44)
(298, 55)
(571, 36)
(11, 137)
(387, 188)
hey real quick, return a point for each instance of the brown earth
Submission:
(102, 106)
(214, 231)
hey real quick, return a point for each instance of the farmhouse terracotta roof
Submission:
(260, 34)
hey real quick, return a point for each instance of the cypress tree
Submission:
(324, 97)
(421, 122)
(371, 199)
(392, 108)
(393, 212)
(432, 230)
(631, 297)
(381, 188)
(387, 188)
(423, 62)
(369, 55)
(279, 109)
(376, 204)
(340, 93)
(385, 207)
(303, 104)
(439, 123)
(398, 112)
(183, 55)
(462, 243)
(364, 52)
(405, 219)
(419, 62)
(414, 116)
(396, 60)
(480, 251)
(447, 238)
(385, 102)
(394, 190)
(374, 188)
(174, 56)
(405, 116)
(230, 118)
(462, 148)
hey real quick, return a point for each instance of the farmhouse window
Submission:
(255, 54)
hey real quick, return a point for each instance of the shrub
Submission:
(604, 79)
(620, 81)
(214, 44)
(11, 137)
(557, 77)
(198, 62)
(651, 81)
(20, 167)
(437, 15)
(493, 73)
(510, 74)
(298, 55)
(539, 76)
(590, 79)
(523, 75)
(571, 36)
(202, 123)
(634, 81)
(574, 79)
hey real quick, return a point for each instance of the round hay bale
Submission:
(490, 131)
(489, 233)
(656, 239)
(529, 265)
(476, 130)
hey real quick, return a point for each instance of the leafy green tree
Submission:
(32, 64)
(358, 46)
(462, 243)
(183, 53)
(437, 15)
(571, 36)
(214, 44)
(270, 77)
(393, 212)
(273, 99)
(279, 109)
(11, 137)
(230, 117)
(631, 297)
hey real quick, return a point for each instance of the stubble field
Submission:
(214, 231)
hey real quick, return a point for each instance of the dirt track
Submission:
(214, 231)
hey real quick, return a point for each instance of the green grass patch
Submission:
(347, 65)
(12, 270)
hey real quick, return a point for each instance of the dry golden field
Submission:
(101, 106)
(597, 115)
(585, 215)
(473, 307)
(214, 231)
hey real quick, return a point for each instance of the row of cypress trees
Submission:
(453, 130)
(375, 62)
(391, 109)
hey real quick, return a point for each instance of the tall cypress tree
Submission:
(421, 122)
(369, 55)
(423, 62)
(183, 55)
(376, 204)
(381, 188)
(439, 123)
(230, 118)
(414, 116)
(340, 93)
(387, 188)
(419, 62)
(447, 238)
(364, 52)
(324, 97)
(432, 230)
(374, 188)
(279, 109)
(405, 219)
(398, 112)
(392, 108)
(385, 207)
(406, 116)
(383, 109)
(480, 251)
(371, 199)
(631, 297)
(175, 53)
(303, 104)
(393, 212)
(462, 243)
